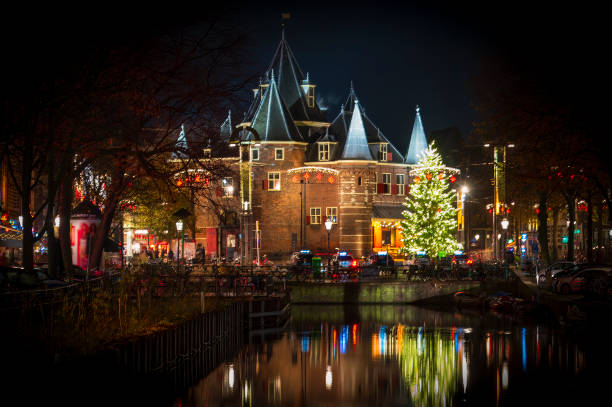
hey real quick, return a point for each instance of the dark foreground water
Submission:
(403, 356)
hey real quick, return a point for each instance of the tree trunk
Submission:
(543, 228)
(26, 180)
(555, 237)
(65, 211)
(600, 239)
(571, 210)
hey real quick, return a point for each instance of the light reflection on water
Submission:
(430, 360)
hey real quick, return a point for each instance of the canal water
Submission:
(406, 355)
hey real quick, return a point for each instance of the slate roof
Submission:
(418, 141)
(272, 120)
(356, 144)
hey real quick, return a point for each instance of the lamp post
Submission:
(328, 226)
(499, 191)
(464, 192)
(504, 225)
(179, 228)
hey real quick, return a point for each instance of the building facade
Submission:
(297, 168)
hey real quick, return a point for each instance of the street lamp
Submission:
(179, 228)
(328, 226)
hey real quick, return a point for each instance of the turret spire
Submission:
(418, 140)
(356, 145)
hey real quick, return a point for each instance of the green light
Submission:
(564, 239)
(576, 231)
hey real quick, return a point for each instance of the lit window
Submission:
(382, 152)
(315, 216)
(386, 183)
(324, 152)
(400, 184)
(311, 96)
(274, 181)
(228, 187)
(332, 214)
(279, 154)
(255, 154)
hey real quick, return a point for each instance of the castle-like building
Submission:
(299, 169)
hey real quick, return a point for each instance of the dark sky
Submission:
(398, 56)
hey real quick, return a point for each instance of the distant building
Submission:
(298, 169)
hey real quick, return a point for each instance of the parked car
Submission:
(463, 261)
(382, 259)
(554, 269)
(422, 260)
(574, 281)
(345, 261)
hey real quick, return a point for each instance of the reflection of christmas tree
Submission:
(430, 217)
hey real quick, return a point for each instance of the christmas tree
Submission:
(430, 216)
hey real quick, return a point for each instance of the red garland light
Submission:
(295, 179)
(417, 179)
(452, 179)
(428, 176)
(307, 175)
(179, 183)
(197, 178)
(491, 210)
(319, 176)
(538, 211)
(331, 179)
(441, 176)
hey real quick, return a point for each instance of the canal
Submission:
(405, 355)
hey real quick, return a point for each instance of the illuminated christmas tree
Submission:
(430, 217)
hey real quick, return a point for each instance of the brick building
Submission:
(295, 168)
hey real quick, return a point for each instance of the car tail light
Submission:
(470, 261)
(354, 263)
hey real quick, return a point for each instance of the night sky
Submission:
(398, 56)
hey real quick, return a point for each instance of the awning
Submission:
(388, 212)
(10, 238)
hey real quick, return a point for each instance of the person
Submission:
(170, 255)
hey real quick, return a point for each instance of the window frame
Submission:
(276, 150)
(383, 149)
(322, 151)
(315, 216)
(274, 179)
(225, 187)
(252, 156)
(401, 187)
(310, 97)
(334, 216)
(387, 186)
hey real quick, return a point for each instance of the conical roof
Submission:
(86, 209)
(418, 141)
(272, 121)
(226, 127)
(290, 81)
(356, 145)
(181, 144)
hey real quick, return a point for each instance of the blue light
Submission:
(342, 253)
(458, 252)
(524, 237)
(421, 253)
(343, 339)
(382, 340)
(305, 343)
(524, 349)
(305, 251)
(382, 253)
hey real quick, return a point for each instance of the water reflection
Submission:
(368, 363)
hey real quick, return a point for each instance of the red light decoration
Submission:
(560, 174)
(572, 177)
(307, 176)
(491, 210)
(452, 179)
(441, 176)
(331, 179)
(508, 210)
(179, 183)
(417, 180)
(538, 211)
(4, 217)
(295, 179)
(197, 178)
(428, 176)
(319, 176)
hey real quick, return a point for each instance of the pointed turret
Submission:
(226, 127)
(272, 121)
(418, 141)
(181, 144)
(356, 145)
